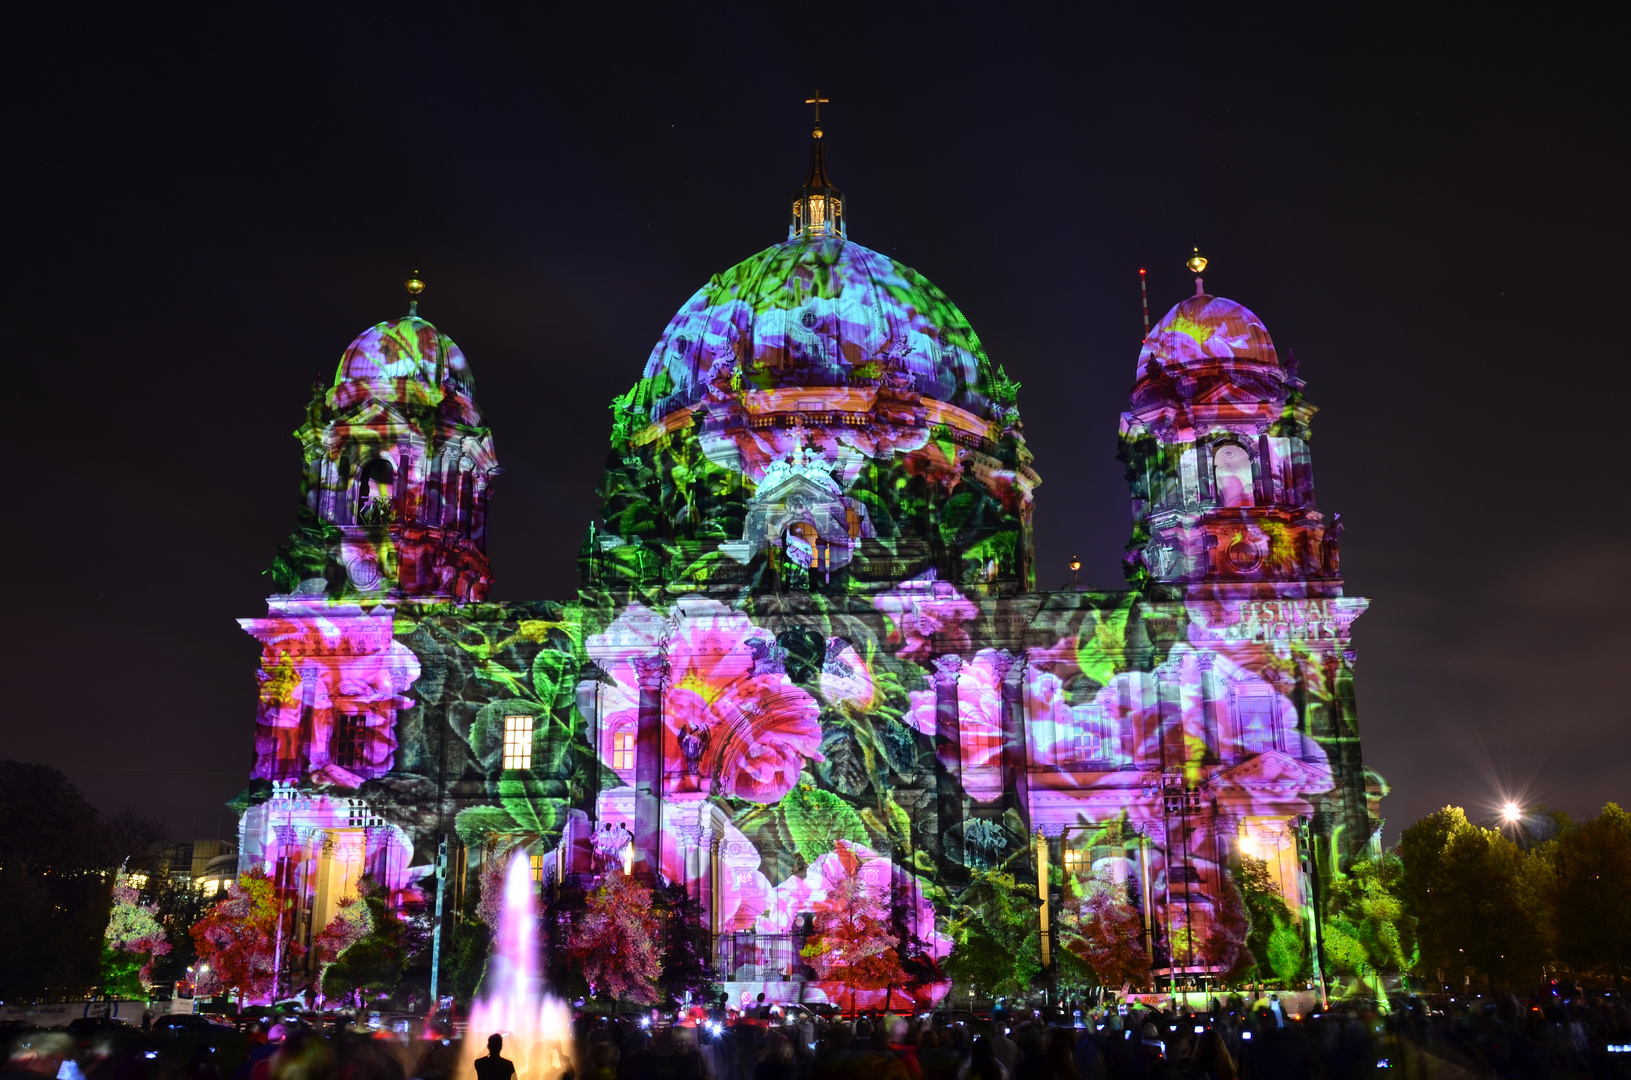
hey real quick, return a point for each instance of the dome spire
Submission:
(1197, 263)
(817, 101)
(818, 206)
(415, 285)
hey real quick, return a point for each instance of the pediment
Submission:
(1273, 770)
(370, 411)
(796, 485)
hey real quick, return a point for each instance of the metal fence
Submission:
(749, 957)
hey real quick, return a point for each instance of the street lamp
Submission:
(1511, 813)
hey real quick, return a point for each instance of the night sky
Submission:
(207, 203)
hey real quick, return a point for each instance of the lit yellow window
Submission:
(518, 742)
(537, 864)
(1075, 861)
(623, 751)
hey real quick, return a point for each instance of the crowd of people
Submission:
(1504, 1038)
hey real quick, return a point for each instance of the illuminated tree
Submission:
(616, 943)
(1227, 948)
(996, 936)
(132, 940)
(237, 939)
(1366, 931)
(1102, 928)
(850, 943)
(684, 956)
(1275, 940)
(373, 963)
(350, 924)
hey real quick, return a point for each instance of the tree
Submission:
(996, 935)
(617, 942)
(135, 840)
(1227, 946)
(132, 940)
(1102, 928)
(1476, 904)
(849, 943)
(54, 896)
(1275, 940)
(350, 924)
(381, 942)
(1590, 868)
(467, 949)
(237, 940)
(684, 958)
(180, 904)
(1366, 930)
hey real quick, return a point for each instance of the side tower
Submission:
(1230, 548)
(348, 785)
(1216, 447)
(398, 469)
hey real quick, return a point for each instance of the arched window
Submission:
(376, 480)
(374, 492)
(1232, 471)
(467, 496)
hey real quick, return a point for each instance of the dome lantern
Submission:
(818, 206)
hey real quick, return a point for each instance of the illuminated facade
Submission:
(809, 618)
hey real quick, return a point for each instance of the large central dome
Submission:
(820, 416)
(819, 312)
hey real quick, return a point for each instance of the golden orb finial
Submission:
(1196, 262)
(415, 285)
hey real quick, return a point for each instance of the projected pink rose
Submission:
(809, 893)
(330, 692)
(978, 751)
(732, 716)
(845, 678)
(926, 617)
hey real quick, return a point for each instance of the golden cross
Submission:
(817, 101)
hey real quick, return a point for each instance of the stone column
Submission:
(948, 765)
(652, 672)
(689, 836)
(1048, 845)
(1016, 772)
(1209, 719)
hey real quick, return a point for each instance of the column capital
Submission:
(946, 669)
(652, 671)
(1003, 661)
(1051, 831)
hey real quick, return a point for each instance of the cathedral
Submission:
(808, 640)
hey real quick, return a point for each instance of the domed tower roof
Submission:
(1207, 330)
(408, 348)
(819, 311)
(818, 409)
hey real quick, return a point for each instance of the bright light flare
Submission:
(1511, 813)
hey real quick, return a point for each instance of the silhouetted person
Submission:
(494, 1066)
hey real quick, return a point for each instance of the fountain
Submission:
(537, 1028)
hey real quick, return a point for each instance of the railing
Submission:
(749, 957)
